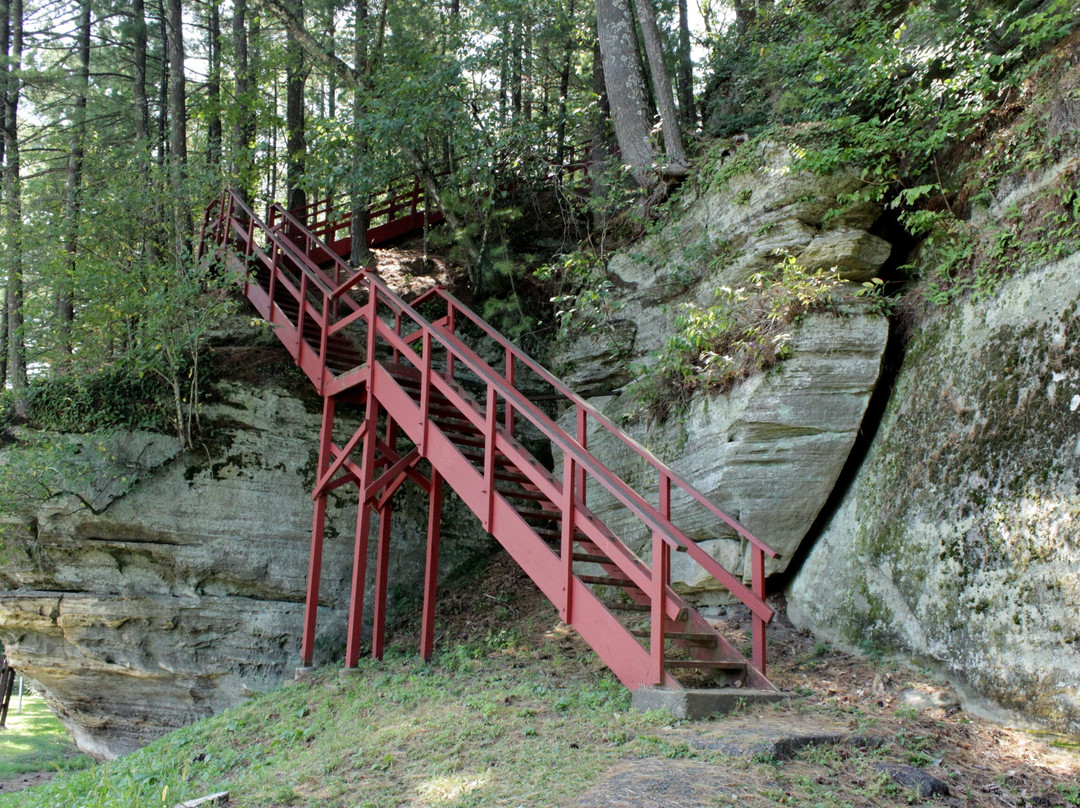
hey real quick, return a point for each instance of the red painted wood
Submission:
(313, 305)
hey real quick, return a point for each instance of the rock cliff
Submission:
(770, 450)
(157, 587)
(959, 540)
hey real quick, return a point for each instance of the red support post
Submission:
(425, 391)
(509, 381)
(382, 569)
(661, 575)
(489, 454)
(431, 567)
(311, 604)
(566, 608)
(582, 439)
(360, 542)
(758, 583)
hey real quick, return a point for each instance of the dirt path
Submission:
(855, 732)
(24, 781)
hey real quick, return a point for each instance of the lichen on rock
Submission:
(959, 539)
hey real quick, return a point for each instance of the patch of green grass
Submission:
(398, 732)
(35, 741)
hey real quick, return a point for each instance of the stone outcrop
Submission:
(156, 587)
(770, 450)
(959, 540)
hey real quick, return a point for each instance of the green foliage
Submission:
(744, 331)
(97, 399)
(891, 92)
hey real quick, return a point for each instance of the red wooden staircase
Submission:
(436, 412)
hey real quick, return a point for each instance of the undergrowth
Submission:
(742, 332)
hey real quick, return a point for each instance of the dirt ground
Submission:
(24, 781)
(851, 734)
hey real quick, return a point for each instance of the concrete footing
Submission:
(303, 674)
(697, 705)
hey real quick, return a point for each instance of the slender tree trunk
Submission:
(65, 298)
(244, 129)
(213, 87)
(182, 224)
(5, 47)
(517, 47)
(359, 197)
(564, 87)
(13, 194)
(686, 70)
(661, 82)
(163, 88)
(295, 144)
(138, 73)
(625, 87)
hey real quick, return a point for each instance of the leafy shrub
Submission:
(743, 332)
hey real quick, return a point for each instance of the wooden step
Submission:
(703, 640)
(706, 664)
(605, 580)
(592, 559)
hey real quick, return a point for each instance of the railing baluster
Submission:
(510, 381)
(425, 390)
(758, 583)
(566, 608)
(661, 576)
(582, 439)
(489, 453)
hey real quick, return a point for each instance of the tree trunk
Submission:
(359, 198)
(138, 73)
(686, 70)
(13, 194)
(295, 144)
(213, 87)
(182, 225)
(65, 298)
(163, 89)
(564, 87)
(244, 129)
(626, 88)
(5, 47)
(661, 82)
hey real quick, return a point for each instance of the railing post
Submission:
(301, 316)
(324, 338)
(449, 353)
(275, 254)
(489, 454)
(582, 439)
(509, 381)
(567, 543)
(425, 391)
(758, 583)
(661, 575)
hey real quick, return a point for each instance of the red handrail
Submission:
(580, 464)
(550, 429)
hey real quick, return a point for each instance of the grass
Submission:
(527, 716)
(484, 725)
(35, 741)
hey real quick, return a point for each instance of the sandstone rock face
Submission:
(160, 587)
(959, 540)
(770, 450)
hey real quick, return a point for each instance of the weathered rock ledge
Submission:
(143, 605)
